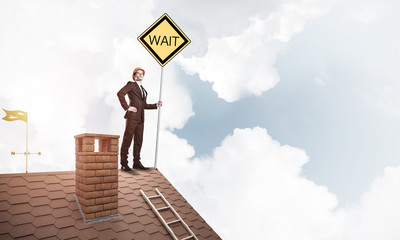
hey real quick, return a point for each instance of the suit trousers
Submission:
(133, 129)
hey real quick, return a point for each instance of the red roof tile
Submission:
(39, 201)
(46, 231)
(21, 219)
(42, 206)
(4, 206)
(67, 233)
(89, 233)
(18, 190)
(5, 179)
(20, 208)
(4, 196)
(61, 212)
(16, 182)
(22, 230)
(5, 216)
(41, 210)
(44, 220)
(106, 234)
(56, 195)
(80, 225)
(40, 192)
(3, 188)
(102, 226)
(119, 226)
(59, 203)
(34, 178)
(16, 199)
(127, 235)
(69, 189)
(5, 228)
(72, 205)
(158, 235)
(36, 185)
(64, 222)
(54, 187)
(51, 179)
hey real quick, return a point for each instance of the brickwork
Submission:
(96, 174)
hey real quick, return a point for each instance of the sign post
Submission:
(163, 40)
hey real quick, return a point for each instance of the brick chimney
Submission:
(96, 175)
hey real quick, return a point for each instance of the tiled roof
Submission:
(42, 206)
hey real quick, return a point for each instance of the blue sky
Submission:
(348, 140)
(294, 103)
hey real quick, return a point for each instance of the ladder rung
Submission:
(163, 208)
(189, 237)
(175, 221)
(166, 225)
(155, 196)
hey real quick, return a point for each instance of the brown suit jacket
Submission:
(135, 100)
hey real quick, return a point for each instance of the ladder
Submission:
(166, 224)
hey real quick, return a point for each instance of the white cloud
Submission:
(242, 65)
(293, 16)
(376, 74)
(55, 69)
(253, 186)
(370, 13)
(237, 66)
(378, 213)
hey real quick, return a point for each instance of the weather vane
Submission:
(23, 116)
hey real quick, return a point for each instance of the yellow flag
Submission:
(16, 115)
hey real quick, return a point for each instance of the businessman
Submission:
(134, 118)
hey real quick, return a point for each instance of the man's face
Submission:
(139, 75)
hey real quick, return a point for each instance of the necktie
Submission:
(142, 90)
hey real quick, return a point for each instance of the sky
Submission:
(280, 118)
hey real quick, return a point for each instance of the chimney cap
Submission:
(96, 135)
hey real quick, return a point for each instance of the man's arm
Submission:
(150, 106)
(153, 106)
(121, 96)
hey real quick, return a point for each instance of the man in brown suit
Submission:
(134, 118)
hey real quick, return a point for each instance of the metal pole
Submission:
(158, 120)
(26, 152)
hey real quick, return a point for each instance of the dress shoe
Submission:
(139, 165)
(126, 168)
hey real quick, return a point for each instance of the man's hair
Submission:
(136, 70)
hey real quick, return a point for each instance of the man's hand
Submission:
(132, 109)
(159, 103)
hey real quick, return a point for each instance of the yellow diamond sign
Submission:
(164, 39)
